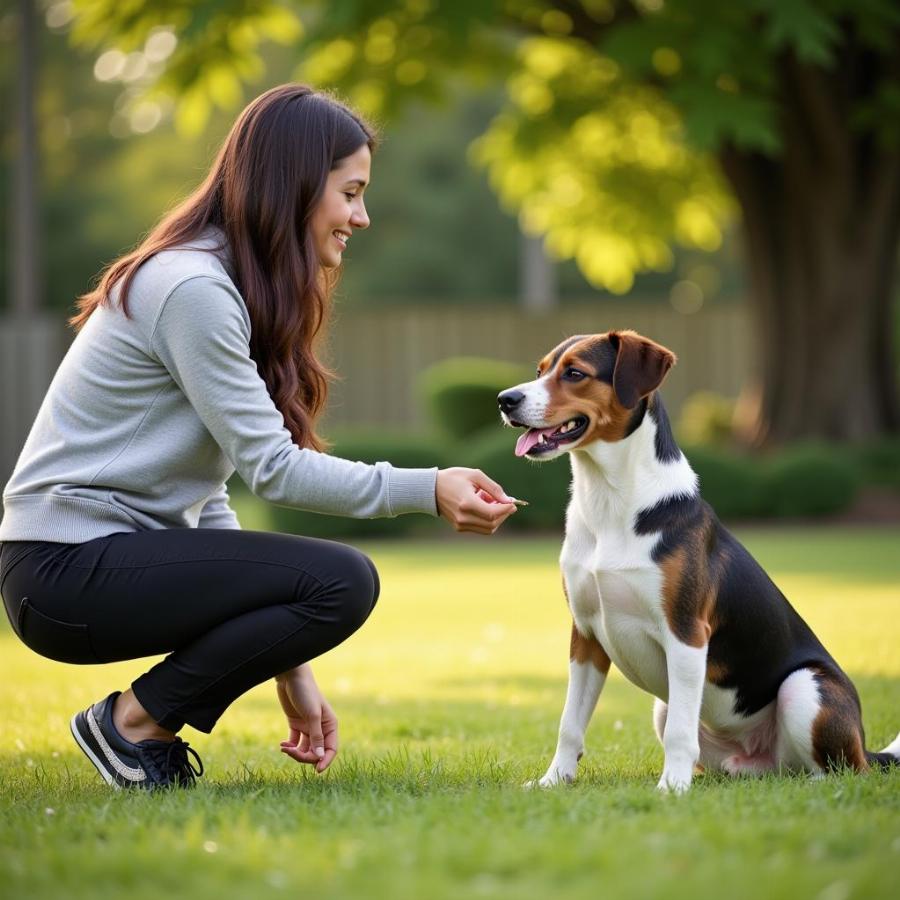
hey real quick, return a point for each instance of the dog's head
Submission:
(589, 388)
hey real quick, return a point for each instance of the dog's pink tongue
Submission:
(529, 439)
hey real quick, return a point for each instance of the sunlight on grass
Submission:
(448, 699)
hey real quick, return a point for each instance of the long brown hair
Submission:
(261, 191)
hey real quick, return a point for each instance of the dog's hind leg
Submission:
(588, 666)
(820, 722)
(798, 706)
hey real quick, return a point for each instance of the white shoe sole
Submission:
(73, 727)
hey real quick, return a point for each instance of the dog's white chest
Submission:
(628, 626)
(614, 593)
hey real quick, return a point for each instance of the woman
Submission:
(194, 358)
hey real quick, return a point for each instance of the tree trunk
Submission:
(25, 280)
(821, 225)
(538, 288)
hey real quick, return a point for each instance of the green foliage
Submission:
(800, 25)
(614, 110)
(370, 446)
(879, 463)
(720, 82)
(385, 55)
(437, 236)
(803, 480)
(810, 480)
(733, 485)
(588, 86)
(705, 420)
(598, 165)
(460, 393)
(219, 46)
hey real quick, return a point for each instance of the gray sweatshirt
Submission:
(148, 416)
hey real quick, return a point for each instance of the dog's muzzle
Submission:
(538, 440)
(508, 400)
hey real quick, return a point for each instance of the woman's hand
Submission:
(470, 501)
(313, 725)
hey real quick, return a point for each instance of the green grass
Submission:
(449, 699)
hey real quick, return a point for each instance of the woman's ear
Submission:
(641, 366)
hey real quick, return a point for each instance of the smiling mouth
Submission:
(538, 441)
(342, 238)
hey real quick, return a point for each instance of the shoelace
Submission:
(174, 762)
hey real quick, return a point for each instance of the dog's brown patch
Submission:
(619, 365)
(584, 648)
(609, 419)
(689, 587)
(837, 733)
(589, 397)
(716, 672)
(641, 366)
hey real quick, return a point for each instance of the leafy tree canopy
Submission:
(614, 111)
(106, 178)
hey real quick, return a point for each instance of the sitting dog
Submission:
(657, 586)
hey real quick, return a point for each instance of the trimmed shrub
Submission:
(804, 480)
(731, 484)
(403, 450)
(879, 462)
(460, 393)
(544, 485)
(810, 480)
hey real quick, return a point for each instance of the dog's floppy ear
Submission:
(641, 366)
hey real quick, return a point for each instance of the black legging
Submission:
(231, 608)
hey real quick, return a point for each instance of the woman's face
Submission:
(341, 208)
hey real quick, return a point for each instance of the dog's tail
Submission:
(890, 756)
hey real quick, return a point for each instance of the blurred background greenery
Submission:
(112, 160)
(725, 178)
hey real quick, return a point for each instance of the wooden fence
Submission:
(379, 352)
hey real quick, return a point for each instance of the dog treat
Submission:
(484, 495)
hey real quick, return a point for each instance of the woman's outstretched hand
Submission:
(470, 501)
(313, 725)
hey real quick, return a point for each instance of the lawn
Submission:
(449, 699)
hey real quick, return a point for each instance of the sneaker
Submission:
(145, 765)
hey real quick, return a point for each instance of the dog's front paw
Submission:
(674, 781)
(555, 775)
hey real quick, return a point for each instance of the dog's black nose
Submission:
(509, 400)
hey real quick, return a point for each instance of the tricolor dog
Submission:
(657, 586)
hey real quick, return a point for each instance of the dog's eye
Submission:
(573, 374)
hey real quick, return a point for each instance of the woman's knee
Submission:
(355, 587)
(364, 586)
(376, 582)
